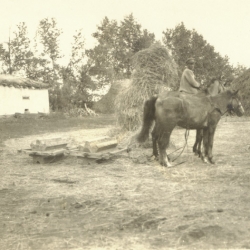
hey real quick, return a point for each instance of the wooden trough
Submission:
(47, 156)
(89, 158)
(48, 144)
(96, 150)
(98, 145)
(47, 150)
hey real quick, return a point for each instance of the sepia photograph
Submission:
(124, 125)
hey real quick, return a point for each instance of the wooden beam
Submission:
(48, 144)
(98, 144)
(89, 144)
(105, 145)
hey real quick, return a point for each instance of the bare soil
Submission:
(128, 203)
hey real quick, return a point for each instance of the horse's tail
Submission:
(148, 119)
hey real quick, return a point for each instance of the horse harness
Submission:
(230, 106)
(214, 107)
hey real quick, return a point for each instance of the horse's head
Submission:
(215, 87)
(235, 106)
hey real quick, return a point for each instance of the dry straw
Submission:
(106, 104)
(154, 72)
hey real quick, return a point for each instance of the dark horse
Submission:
(198, 112)
(214, 88)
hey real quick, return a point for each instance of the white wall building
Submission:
(22, 95)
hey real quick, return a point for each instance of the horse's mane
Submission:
(209, 89)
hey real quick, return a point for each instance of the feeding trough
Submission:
(47, 150)
(98, 150)
(91, 151)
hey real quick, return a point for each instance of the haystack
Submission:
(154, 71)
(243, 84)
(106, 104)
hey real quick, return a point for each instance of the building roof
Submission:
(20, 82)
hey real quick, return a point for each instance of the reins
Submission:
(227, 109)
(187, 134)
(216, 108)
(183, 148)
(186, 140)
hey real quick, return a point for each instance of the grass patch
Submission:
(30, 125)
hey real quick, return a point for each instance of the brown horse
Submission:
(214, 88)
(187, 111)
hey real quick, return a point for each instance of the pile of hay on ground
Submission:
(154, 72)
(243, 84)
(106, 104)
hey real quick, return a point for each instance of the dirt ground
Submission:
(131, 202)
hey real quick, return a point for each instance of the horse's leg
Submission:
(163, 142)
(205, 138)
(154, 141)
(198, 141)
(210, 144)
(208, 141)
(213, 121)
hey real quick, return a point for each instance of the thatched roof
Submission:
(19, 82)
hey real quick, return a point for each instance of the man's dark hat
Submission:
(190, 60)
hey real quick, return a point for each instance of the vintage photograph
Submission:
(124, 124)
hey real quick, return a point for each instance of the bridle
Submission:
(232, 107)
(221, 88)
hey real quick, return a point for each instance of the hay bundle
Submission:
(106, 104)
(243, 84)
(154, 72)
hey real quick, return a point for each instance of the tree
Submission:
(16, 57)
(130, 33)
(239, 70)
(37, 69)
(77, 53)
(144, 41)
(77, 82)
(84, 86)
(112, 57)
(184, 43)
(49, 34)
(48, 54)
(103, 58)
(3, 57)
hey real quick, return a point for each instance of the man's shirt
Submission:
(188, 83)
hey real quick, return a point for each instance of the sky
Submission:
(224, 24)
